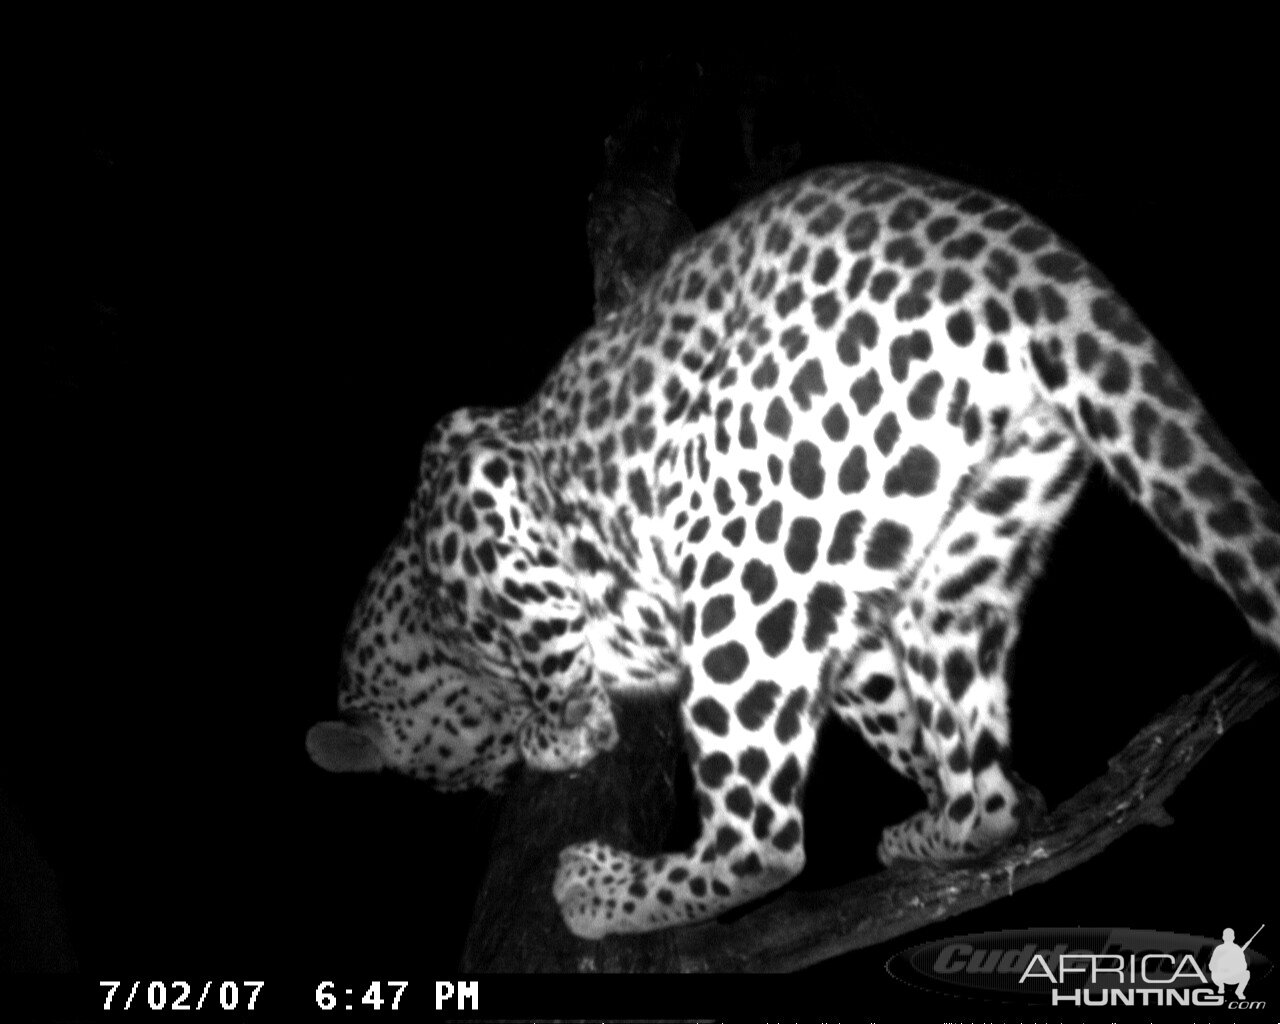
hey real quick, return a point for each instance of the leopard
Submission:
(810, 469)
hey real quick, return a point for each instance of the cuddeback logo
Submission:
(1089, 967)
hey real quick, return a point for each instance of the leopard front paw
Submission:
(581, 888)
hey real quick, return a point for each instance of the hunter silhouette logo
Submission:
(1227, 965)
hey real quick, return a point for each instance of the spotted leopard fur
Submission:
(811, 469)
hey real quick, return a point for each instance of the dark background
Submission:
(270, 271)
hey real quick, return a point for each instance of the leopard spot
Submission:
(1231, 519)
(836, 423)
(887, 433)
(1179, 521)
(807, 383)
(961, 585)
(923, 397)
(789, 299)
(727, 838)
(825, 266)
(883, 284)
(801, 549)
(904, 349)
(714, 769)
(866, 391)
(878, 688)
(776, 627)
(765, 375)
(1117, 319)
(753, 764)
(958, 671)
(777, 419)
(786, 781)
(887, 545)
(759, 580)
(955, 283)
(960, 327)
(822, 607)
(826, 310)
(860, 331)
(1175, 446)
(727, 662)
(787, 725)
(748, 867)
(739, 802)
(861, 231)
(807, 474)
(711, 715)
(999, 498)
(915, 474)
(717, 613)
(842, 541)
(1046, 358)
(961, 807)
(853, 474)
(716, 569)
(788, 837)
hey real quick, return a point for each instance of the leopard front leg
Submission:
(750, 741)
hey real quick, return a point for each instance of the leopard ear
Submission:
(341, 747)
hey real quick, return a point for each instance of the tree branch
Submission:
(798, 929)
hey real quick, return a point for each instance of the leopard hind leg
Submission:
(872, 697)
(953, 631)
